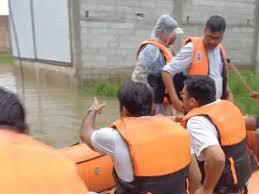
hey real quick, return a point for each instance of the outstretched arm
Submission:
(169, 85)
(180, 63)
(88, 125)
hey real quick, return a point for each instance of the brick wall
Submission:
(111, 30)
(4, 34)
(240, 15)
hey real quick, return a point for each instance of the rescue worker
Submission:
(150, 154)
(152, 55)
(218, 134)
(200, 56)
(28, 166)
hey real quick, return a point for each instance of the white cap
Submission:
(166, 23)
(178, 30)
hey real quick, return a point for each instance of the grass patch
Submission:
(241, 96)
(107, 89)
(6, 59)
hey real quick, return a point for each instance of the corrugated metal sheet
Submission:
(22, 19)
(51, 20)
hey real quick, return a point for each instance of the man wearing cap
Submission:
(152, 55)
(200, 56)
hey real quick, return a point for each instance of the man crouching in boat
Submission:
(150, 154)
(28, 166)
(218, 133)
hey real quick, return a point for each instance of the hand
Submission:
(177, 104)
(254, 94)
(97, 106)
(177, 118)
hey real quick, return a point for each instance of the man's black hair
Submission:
(12, 113)
(202, 89)
(216, 23)
(136, 97)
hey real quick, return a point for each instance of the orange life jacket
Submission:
(230, 126)
(29, 167)
(200, 63)
(155, 81)
(160, 154)
(168, 56)
(253, 183)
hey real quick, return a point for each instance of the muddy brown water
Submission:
(54, 111)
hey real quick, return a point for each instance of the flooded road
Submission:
(54, 111)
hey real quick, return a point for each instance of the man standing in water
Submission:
(152, 56)
(200, 56)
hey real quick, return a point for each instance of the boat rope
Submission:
(244, 82)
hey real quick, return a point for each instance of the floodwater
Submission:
(54, 111)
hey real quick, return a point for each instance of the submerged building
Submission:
(97, 39)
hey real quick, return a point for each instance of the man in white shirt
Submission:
(200, 56)
(151, 154)
(217, 129)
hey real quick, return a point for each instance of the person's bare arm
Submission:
(254, 95)
(176, 118)
(194, 175)
(169, 85)
(88, 125)
(250, 122)
(180, 63)
(214, 163)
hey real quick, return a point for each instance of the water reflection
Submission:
(54, 111)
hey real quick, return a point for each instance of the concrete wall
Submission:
(240, 15)
(4, 34)
(111, 30)
(55, 72)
